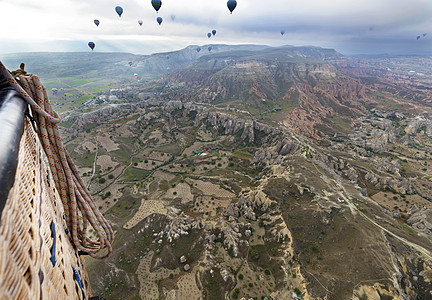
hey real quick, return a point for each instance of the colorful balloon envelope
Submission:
(140, 22)
(210, 48)
(209, 35)
(198, 49)
(91, 45)
(130, 63)
(97, 22)
(214, 32)
(159, 20)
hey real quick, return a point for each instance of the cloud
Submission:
(66, 25)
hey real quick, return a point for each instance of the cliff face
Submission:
(297, 82)
(229, 123)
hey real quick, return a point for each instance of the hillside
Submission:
(266, 213)
(255, 173)
(311, 90)
(51, 65)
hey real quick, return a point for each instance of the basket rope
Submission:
(75, 197)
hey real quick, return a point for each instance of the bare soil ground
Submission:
(88, 145)
(160, 156)
(259, 231)
(107, 203)
(388, 200)
(210, 206)
(181, 190)
(148, 286)
(163, 175)
(149, 165)
(188, 288)
(195, 147)
(254, 281)
(204, 135)
(147, 208)
(210, 189)
(124, 131)
(105, 161)
(106, 143)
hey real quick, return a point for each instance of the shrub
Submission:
(267, 272)
(110, 176)
(102, 180)
(240, 276)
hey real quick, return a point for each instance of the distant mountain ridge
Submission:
(49, 65)
(298, 84)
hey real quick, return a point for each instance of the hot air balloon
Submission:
(418, 37)
(209, 35)
(136, 75)
(173, 17)
(231, 5)
(156, 4)
(167, 57)
(130, 63)
(198, 49)
(55, 91)
(159, 20)
(61, 89)
(210, 48)
(119, 10)
(140, 22)
(91, 45)
(424, 34)
(282, 31)
(96, 22)
(214, 32)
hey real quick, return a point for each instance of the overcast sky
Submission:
(349, 26)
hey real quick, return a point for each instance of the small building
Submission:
(341, 199)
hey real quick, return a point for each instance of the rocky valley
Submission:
(259, 173)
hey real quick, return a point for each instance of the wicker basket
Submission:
(37, 258)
